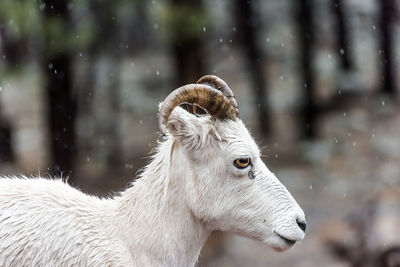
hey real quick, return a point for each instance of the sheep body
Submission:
(163, 218)
(48, 223)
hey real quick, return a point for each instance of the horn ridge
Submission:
(221, 85)
(207, 97)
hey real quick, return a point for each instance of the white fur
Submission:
(189, 189)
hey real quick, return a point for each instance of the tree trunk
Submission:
(344, 47)
(6, 149)
(189, 61)
(111, 129)
(306, 32)
(187, 48)
(248, 23)
(12, 51)
(61, 100)
(107, 45)
(387, 12)
(14, 48)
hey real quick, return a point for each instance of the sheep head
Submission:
(227, 185)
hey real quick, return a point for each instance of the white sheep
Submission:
(206, 175)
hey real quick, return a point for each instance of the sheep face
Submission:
(228, 187)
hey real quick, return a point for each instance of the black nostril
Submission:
(302, 224)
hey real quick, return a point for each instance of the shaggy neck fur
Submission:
(158, 226)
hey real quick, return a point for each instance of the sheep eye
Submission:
(242, 163)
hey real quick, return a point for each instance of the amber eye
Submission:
(242, 163)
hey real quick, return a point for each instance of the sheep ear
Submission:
(185, 127)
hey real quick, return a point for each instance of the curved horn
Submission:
(204, 96)
(221, 85)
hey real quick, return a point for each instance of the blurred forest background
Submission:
(317, 82)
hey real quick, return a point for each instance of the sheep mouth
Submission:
(287, 241)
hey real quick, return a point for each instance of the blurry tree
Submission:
(15, 30)
(185, 21)
(137, 31)
(342, 35)
(14, 48)
(248, 24)
(6, 152)
(14, 35)
(387, 14)
(346, 80)
(62, 103)
(6, 149)
(306, 33)
(86, 89)
(105, 48)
